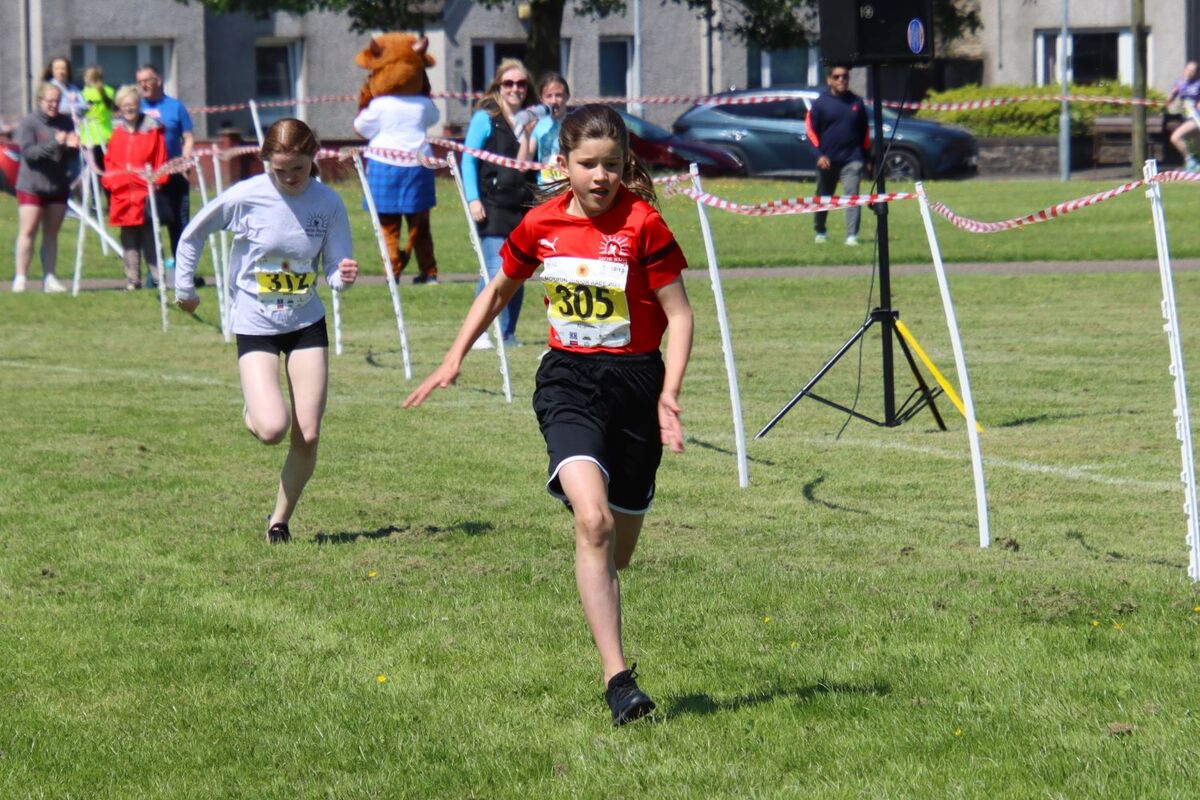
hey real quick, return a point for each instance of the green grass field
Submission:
(833, 631)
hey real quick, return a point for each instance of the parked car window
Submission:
(775, 109)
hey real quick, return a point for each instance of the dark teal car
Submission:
(769, 137)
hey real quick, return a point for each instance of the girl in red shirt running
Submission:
(605, 400)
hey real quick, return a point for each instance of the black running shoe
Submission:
(278, 533)
(626, 700)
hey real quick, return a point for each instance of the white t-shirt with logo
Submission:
(273, 264)
(397, 123)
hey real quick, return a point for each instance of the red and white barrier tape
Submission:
(718, 100)
(808, 205)
(415, 159)
(1176, 176)
(797, 205)
(1046, 214)
(484, 155)
(994, 102)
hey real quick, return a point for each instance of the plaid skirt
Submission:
(400, 190)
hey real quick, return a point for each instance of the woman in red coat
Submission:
(137, 143)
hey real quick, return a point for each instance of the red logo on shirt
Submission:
(614, 248)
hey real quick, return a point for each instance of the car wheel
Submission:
(902, 165)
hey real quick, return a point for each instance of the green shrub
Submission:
(1030, 118)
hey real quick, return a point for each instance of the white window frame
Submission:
(811, 77)
(1124, 55)
(489, 55)
(295, 57)
(143, 56)
(628, 42)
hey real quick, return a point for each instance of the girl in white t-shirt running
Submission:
(284, 223)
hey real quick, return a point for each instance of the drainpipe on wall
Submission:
(636, 108)
(27, 56)
(1064, 119)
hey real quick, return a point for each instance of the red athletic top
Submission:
(600, 273)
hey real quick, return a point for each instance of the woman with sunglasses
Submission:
(499, 196)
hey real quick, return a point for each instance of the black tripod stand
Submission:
(884, 315)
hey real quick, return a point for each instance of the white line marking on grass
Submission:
(1082, 472)
(169, 377)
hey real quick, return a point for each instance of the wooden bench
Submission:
(1112, 137)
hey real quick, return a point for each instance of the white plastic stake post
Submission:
(735, 396)
(960, 364)
(96, 195)
(336, 301)
(219, 180)
(387, 264)
(1183, 420)
(257, 122)
(452, 160)
(158, 250)
(212, 244)
(84, 213)
(86, 217)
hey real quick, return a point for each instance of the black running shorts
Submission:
(315, 335)
(604, 409)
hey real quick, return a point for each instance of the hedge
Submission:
(1032, 118)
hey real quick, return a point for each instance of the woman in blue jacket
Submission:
(499, 196)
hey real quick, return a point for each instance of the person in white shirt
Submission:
(283, 223)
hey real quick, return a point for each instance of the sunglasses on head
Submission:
(520, 84)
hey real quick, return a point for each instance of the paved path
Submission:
(698, 272)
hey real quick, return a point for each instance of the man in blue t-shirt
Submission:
(175, 208)
(837, 128)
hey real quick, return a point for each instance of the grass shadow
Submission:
(350, 538)
(704, 703)
(1034, 420)
(810, 494)
(468, 527)
(1113, 555)
(200, 320)
(723, 451)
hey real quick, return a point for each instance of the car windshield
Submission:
(643, 129)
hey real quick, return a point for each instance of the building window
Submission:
(1091, 56)
(277, 71)
(120, 61)
(795, 65)
(485, 56)
(616, 67)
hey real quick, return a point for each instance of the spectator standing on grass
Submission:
(175, 205)
(498, 196)
(1187, 91)
(553, 93)
(286, 226)
(58, 73)
(837, 128)
(98, 120)
(49, 145)
(136, 144)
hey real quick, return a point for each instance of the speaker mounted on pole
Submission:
(876, 31)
